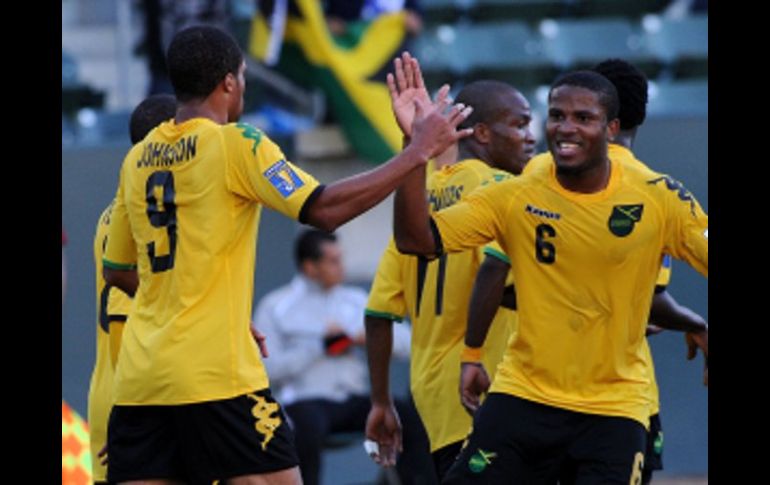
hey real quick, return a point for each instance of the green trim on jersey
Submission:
(122, 267)
(389, 316)
(497, 254)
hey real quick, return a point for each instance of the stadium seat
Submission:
(507, 51)
(681, 44)
(678, 98)
(581, 43)
(443, 52)
(617, 8)
(442, 11)
(530, 11)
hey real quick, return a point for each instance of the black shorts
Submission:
(445, 457)
(200, 442)
(653, 456)
(520, 441)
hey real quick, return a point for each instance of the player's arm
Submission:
(119, 258)
(343, 200)
(125, 279)
(386, 304)
(667, 313)
(486, 298)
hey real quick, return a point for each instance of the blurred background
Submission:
(315, 84)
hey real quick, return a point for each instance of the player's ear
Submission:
(613, 128)
(481, 133)
(229, 82)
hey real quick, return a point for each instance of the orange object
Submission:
(75, 453)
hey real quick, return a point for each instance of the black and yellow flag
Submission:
(350, 69)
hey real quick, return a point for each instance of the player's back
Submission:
(192, 193)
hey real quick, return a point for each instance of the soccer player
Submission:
(192, 399)
(584, 240)
(631, 85)
(112, 304)
(435, 294)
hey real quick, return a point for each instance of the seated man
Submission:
(314, 328)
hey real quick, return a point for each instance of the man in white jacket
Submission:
(314, 328)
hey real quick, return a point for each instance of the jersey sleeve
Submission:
(476, 220)
(258, 170)
(386, 298)
(686, 235)
(120, 252)
(494, 250)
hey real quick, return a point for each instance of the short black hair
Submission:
(631, 84)
(593, 81)
(484, 97)
(308, 245)
(150, 113)
(198, 58)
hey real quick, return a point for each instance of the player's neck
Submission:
(625, 138)
(591, 180)
(200, 109)
(466, 152)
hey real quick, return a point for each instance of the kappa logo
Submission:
(542, 212)
(624, 218)
(250, 133)
(676, 186)
(283, 178)
(266, 423)
(481, 460)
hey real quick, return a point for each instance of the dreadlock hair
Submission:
(593, 81)
(198, 58)
(631, 85)
(150, 113)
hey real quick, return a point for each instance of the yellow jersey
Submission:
(585, 267)
(186, 215)
(436, 296)
(112, 308)
(543, 161)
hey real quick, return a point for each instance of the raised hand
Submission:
(384, 427)
(435, 127)
(474, 381)
(405, 87)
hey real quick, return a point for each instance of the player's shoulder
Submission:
(245, 133)
(538, 163)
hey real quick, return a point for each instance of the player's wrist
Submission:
(471, 355)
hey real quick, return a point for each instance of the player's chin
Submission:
(568, 166)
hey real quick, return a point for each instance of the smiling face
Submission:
(577, 129)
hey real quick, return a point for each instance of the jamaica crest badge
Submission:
(624, 218)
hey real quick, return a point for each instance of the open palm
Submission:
(406, 87)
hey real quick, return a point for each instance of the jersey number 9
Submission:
(162, 216)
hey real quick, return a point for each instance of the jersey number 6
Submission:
(545, 252)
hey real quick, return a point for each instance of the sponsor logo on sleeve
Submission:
(283, 178)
